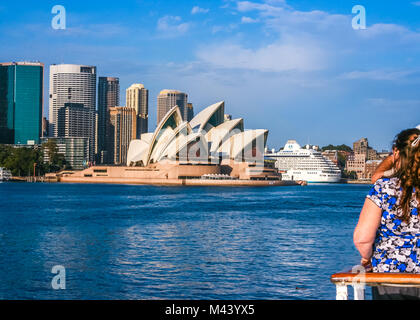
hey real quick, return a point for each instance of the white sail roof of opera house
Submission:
(207, 136)
(244, 146)
(208, 118)
(189, 148)
(170, 122)
(183, 130)
(218, 135)
(137, 151)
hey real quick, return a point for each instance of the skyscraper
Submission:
(74, 120)
(108, 97)
(137, 97)
(167, 99)
(190, 112)
(72, 84)
(21, 102)
(124, 125)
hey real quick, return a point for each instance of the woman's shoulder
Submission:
(394, 182)
(387, 185)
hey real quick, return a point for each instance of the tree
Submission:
(342, 147)
(20, 160)
(56, 161)
(352, 175)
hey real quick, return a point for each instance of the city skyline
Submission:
(297, 69)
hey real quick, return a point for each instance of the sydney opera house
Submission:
(211, 149)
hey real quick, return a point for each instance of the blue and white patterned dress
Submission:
(397, 244)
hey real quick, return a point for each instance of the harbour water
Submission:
(146, 242)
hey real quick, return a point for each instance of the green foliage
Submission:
(342, 147)
(341, 160)
(56, 160)
(21, 160)
(350, 175)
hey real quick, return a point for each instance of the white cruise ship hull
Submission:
(312, 177)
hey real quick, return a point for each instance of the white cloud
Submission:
(246, 6)
(416, 3)
(224, 28)
(248, 20)
(197, 9)
(393, 104)
(172, 25)
(386, 75)
(275, 57)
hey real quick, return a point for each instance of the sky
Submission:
(295, 67)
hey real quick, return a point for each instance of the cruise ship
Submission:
(5, 174)
(306, 164)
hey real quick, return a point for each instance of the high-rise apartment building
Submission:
(124, 126)
(137, 97)
(21, 102)
(108, 97)
(167, 99)
(72, 84)
(74, 120)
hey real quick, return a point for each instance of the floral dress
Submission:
(397, 244)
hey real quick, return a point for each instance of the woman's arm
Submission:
(365, 232)
(385, 165)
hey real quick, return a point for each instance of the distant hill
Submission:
(342, 147)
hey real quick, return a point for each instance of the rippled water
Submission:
(146, 242)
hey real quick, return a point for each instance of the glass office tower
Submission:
(21, 102)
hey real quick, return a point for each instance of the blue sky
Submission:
(297, 68)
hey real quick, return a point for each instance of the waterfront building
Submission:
(21, 102)
(108, 97)
(205, 151)
(332, 155)
(74, 149)
(137, 97)
(370, 168)
(124, 128)
(361, 146)
(72, 84)
(167, 99)
(356, 162)
(206, 140)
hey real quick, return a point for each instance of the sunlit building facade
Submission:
(21, 102)
(137, 97)
(167, 99)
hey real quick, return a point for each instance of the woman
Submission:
(386, 167)
(388, 232)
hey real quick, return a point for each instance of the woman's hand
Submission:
(367, 264)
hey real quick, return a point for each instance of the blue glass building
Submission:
(21, 100)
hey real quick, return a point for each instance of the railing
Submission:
(359, 279)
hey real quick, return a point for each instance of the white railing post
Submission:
(358, 282)
(359, 291)
(341, 292)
